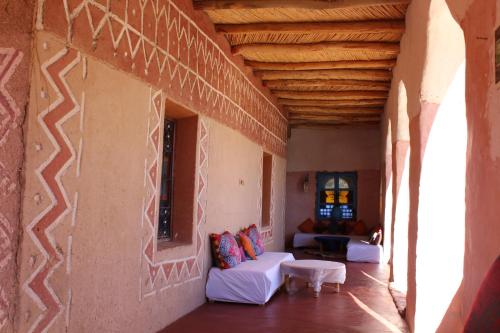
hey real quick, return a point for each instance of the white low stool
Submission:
(316, 272)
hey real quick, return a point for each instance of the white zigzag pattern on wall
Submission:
(49, 173)
(167, 48)
(9, 111)
(164, 274)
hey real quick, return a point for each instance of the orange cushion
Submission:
(359, 228)
(246, 242)
(307, 226)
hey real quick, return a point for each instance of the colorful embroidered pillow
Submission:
(242, 254)
(253, 233)
(225, 250)
(246, 242)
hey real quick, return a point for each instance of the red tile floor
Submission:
(364, 304)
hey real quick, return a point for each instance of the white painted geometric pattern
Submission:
(4, 305)
(158, 42)
(6, 232)
(50, 172)
(9, 111)
(159, 275)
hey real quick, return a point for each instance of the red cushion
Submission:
(359, 229)
(307, 226)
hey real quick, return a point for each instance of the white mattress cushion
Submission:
(252, 281)
(362, 251)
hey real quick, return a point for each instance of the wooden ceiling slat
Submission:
(388, 50)
(302, 66)
(332, 103)
(331, 110)
(329, 95)
(361, 27)
(303, 4)
(327, 74)
(327, 85)
(330, 124)
(334, 118)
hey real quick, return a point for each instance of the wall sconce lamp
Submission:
(306, 183)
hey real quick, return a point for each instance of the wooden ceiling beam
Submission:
(303, 66)
(327, 74)
(353, 27)
(333, 111)
(299, 4)
(327, 84)
(329, 125)
(333, 118)
(329, 103)
(389, 50)
(331, 95)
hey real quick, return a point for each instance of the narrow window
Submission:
(167, 181)
(336, 195)
(267, 170)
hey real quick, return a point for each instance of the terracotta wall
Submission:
(342, 149)
(15, 55)
(89, 256)
(482, 230)
(451, 133)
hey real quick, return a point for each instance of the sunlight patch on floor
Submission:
(375, 315)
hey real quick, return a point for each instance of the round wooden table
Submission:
(316, 272)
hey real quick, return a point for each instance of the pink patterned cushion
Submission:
(253, 233)
(225, 250)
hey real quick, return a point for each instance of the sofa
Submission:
(252, 281)
(358, 247)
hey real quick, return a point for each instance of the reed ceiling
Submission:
(329, 62)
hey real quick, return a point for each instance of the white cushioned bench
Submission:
(358, 248)
(252, 281)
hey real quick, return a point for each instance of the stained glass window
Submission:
(167, 181)
(336, 195)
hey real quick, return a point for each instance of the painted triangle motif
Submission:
(155, 138)
(157, 103)
(153, 173)
(167, 269)
(153, 273)
(96, 18)
(201, 185)
(189, 264)
(151, 211)
(148, 251)
(75, 6)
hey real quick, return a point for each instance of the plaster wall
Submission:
(103, 274)
(343, 149)
(89, 257)
(15, 54)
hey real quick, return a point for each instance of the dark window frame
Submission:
(167, 181)
(336, 212)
